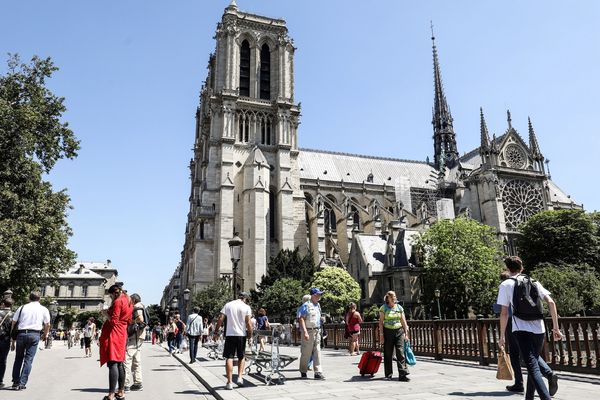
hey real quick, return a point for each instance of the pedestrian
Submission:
(135, 339)
(310, 328)
(238, 328)
(262, 324)
(179, 333)
(194, 328)
(171, 330)
(113, 341)
(205, 332)
(30, 320)
(528, 328)
(89, 332)
(393, 333)
(5, 325)
(353, 321)
(156, 333)
(71, 335)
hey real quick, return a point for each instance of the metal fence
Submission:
(477, 340)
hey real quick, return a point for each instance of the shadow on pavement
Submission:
(482, 394)
(164, 369)
(91, 390)
(197, 392)
(366, 378)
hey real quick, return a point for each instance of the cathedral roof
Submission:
(373, 248)
(80, 271)
(354, 168)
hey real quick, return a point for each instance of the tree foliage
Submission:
(289, 264)
(560, 237)
(212, 298)
(156, 314)
(574, 288)
(461, 258)
(340, 289)
(282, 299)
(33, 224)
(84, 316)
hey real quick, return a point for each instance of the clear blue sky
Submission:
(131, 72)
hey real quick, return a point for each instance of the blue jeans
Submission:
(4, 349)
(531, 345)
(193, 345)
(515, 359)
(27, 345)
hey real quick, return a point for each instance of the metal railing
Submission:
(477, 340)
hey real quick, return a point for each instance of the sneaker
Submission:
(1, 385)
(388, 378)
(240, 382)
(127, 389)
(553, 384)
(18, 387)
(229, 386)
(319, 375)
(137, 387)
(403, 378)
(515, 388)
(303, 375)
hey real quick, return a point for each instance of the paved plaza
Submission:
(65, 374)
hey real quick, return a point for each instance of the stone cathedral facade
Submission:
(248, 175)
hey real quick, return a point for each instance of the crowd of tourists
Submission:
(127, 326)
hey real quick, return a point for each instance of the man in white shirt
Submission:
(30, 320)
(239, 327)
(529, 331)
(194, 328)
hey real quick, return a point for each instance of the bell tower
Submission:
(244, 171)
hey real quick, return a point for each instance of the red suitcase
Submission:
(370, 362)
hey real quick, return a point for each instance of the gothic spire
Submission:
(509, 119)
(485, 136)
(533, 143)
(443, 130)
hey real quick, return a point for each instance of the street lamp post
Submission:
(186, 298)
(436, 293)
(235, 248)
(174, 304)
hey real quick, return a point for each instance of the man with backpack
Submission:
(5, 324)
(524, 297)
(136, 332)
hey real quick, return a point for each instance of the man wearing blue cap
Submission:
(310, 328)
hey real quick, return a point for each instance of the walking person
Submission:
(353, 321)
(528, 325)
(30, 320)
(393, 333)
(205, 330)
(5, 326)
(194, 332)
(179, 333)
(135, 339)
(238, 314)
(171, 330)
(309, 318)
(113, 341)
(262, 324)
(89, 332)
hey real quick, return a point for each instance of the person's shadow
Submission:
(91, 390)
(482, 394)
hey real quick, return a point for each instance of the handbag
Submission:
(408, 354)
(505, 371)
(15, 328)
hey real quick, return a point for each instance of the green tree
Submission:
(282, 299)
(84, 316)
(461, 258)
(560, 237)
(33, 224)
(574, 288)
(340, 289)
(156, 313)
(371, 313)
(212, 298)
(289, 264)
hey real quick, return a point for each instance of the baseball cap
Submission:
(315, 290)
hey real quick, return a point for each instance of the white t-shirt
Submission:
(236, 312)
(32, 315)
(505, 297)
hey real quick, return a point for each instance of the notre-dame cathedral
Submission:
(249, 176)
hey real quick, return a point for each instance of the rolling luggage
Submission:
(370, 362)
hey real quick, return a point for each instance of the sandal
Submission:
(117, 397)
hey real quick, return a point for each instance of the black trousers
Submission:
(394, 341)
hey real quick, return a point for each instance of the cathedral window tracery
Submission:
(521, 200)
(265, 72)
(245, 69)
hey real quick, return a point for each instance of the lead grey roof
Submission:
(353, 168)
(80, 271)
(373, 248)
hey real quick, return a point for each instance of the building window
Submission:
(243, 129)
(265, 72)
(401, 291)
(330, 222)
(390, 283)
(245, 69)
(70, 290)
(201, 230)
(57, 291)
(82, 306)
(84, 291)
(265, 131)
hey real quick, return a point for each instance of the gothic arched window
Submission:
(265, 131)
(329, 217)
(245, 69)
(265, 72)
(355, 217)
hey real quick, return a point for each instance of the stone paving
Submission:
(430, 379)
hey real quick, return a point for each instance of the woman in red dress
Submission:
(113, 341)
(353, 321)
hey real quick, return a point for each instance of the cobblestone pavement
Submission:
(430, 379)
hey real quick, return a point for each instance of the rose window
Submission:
(515, 156)
(521, 200)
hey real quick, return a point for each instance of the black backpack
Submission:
(527, 302)
(134, 328)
